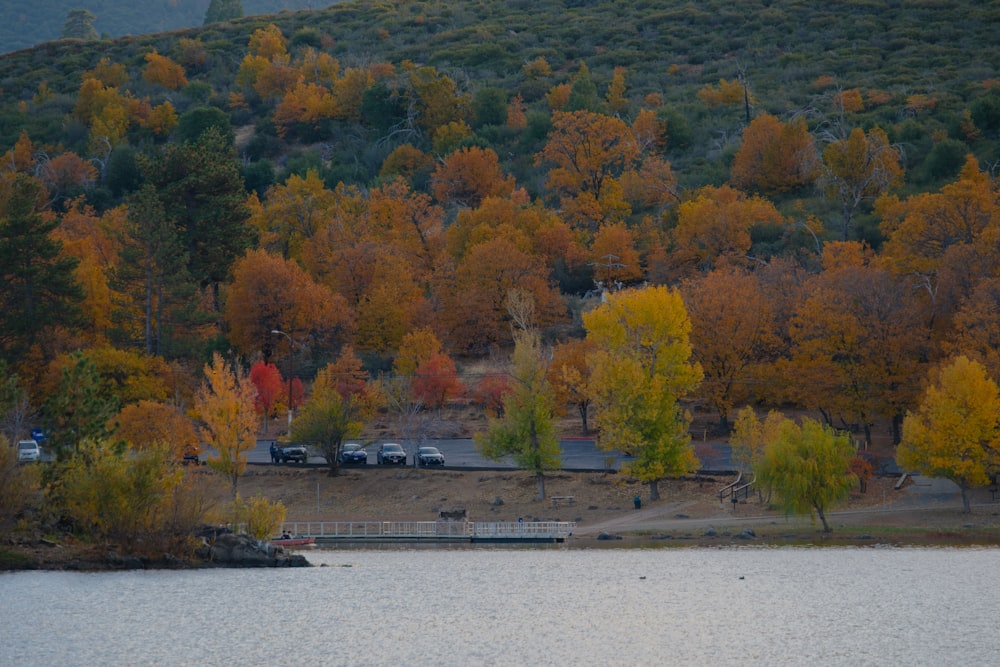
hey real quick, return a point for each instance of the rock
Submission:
(745, 535)
(497, 501)
(243, 551)
(710, 532)
(608, 536)
(681, 516)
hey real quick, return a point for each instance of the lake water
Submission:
(537, 606)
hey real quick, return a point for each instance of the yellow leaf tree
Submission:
(641, 368)
(808, 467)
(148, 424)
(225, 405)
(955, 431)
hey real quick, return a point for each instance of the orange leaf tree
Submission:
(733, 335)
(469, 175)
(269, 293)
(858, 340)
(775, 157)
(716, 223)
(589, 151)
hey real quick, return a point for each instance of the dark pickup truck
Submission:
(285, 453)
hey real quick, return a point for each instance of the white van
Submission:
(28, 450)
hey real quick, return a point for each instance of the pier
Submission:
(334, 532)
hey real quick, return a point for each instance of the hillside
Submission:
(26, 24)
(289, 189)
(920, 65)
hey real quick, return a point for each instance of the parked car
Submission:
(430, 456)
(353, 453)
(28, 450)
(390, 453)
(286, 453)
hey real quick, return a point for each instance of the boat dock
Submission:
(475, 532)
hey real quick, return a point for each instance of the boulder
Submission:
(231, 550)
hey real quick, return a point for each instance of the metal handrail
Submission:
(428, 529)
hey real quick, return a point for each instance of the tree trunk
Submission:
(654, 490)
(966, 504)
(582, 407)
(822, 517)
(540, 478)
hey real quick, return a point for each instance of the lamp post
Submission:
(291, 371)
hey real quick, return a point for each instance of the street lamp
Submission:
(291, 371)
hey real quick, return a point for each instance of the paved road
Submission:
(577, 454)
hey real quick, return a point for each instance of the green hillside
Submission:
(793, 55)
(27, 23)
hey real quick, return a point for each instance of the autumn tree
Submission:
(468, 176)
(225, 406)
(138, 501)
(945, 241)
(415, 348)
(474, 315)
(857, 343)
(858, 169)
(526, 432)
(261, 516)
(489, 391)
(955, 431)
(641, 368)
(19, 486)
(569, 376)
(775, 157)
(267, 379)
(715, 224)
(808, 468)
(751, 436)
(342, 400)
(733, 335)
(614, 256)
(976, 332)
(589, 151)
(162, 71)
(304, 103)
(436, 381)
(268, 293)
(292, 213)
(147, 425)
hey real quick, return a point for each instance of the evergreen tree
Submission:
(80, 409)
(153, 269)
(223, 10)
(38, 290)
(79, 25)
(201, 191)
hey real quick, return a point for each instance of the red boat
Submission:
(293, 541)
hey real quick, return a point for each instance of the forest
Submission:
(411, 188)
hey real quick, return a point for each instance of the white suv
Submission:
(28, 450)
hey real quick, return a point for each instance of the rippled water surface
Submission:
(750, 606)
